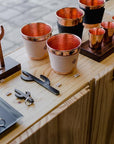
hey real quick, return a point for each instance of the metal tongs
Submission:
(45, 83)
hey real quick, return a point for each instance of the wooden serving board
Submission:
(97, 55)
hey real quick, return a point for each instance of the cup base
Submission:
(61, 73)
(91, 25)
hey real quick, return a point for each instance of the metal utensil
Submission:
(45, 83)
(27, 96)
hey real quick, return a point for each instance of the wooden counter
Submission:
(47, 106)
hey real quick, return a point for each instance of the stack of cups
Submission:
(94, 10)
(70, 20)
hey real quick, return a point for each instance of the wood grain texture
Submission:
(69, 123)
(103, 110)
(45, 102)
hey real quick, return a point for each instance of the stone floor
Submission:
(16, 13)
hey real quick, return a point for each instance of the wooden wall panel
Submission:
(103, 111)
(67, 124)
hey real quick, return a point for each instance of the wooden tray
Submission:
(97, 55)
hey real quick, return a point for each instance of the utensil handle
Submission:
(1, 57)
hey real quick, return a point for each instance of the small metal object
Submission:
(27, 96)
(2, 122)
(58, 84)
(76, 75)
(45, 83)
(8, 93)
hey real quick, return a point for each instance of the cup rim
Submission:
(91, 7)
(36, 37)
(96, 29)
(64, 50)
(106, 22)
(83, 13)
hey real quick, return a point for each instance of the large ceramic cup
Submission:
(94, 10)
(69, 20)
(35, 36)
(63, 52)
(96, 38)
(109, 28)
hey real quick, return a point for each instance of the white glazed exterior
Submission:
(36, 50)
(63, 64)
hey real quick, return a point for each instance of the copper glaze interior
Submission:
(36, 29)
(63, 42)
(69, 13)
(92, 2)
(107, 25)
(97, 31)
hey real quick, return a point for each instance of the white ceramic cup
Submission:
(35, 36)
(63, 52)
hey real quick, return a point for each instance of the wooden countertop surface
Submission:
(45, 101)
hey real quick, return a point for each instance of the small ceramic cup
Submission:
(96, 38)
(94, 11)
(35, 36)
(70, 20)
(109, 28)
(63, 52)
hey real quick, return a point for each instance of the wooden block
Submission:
(97, 55)
(11, 67)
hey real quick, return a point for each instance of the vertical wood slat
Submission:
(67, 124)
(103, 111)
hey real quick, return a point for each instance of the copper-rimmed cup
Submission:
(113, 17)
(69, 20)
(94, 10)
(63, 52)
(35, 36)
(109, 28)
(96, 38)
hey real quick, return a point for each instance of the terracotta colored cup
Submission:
(109, 28)
(96, 37)
(35, 36)
(63, 52)
(94, 11)
(69, 20)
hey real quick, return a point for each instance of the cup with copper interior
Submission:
(113, 17)
(63, 52)
(96, 38)
(69, 20)
(94, 11)
(34, 37)
(109, 28)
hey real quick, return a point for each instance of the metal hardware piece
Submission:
(27, 96)
(45, 83)
(76, 75)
